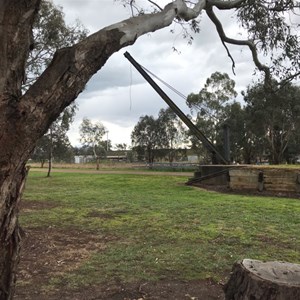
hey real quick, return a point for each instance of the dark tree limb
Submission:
(250, 44)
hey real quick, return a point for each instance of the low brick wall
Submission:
(268, 179)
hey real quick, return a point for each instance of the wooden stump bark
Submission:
(256, 280)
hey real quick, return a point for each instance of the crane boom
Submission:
(205, 141)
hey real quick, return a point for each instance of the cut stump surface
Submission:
(257, 280)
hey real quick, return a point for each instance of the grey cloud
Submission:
(94, 14)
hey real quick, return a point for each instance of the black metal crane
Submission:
(219, 159)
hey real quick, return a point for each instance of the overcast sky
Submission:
(117, 95)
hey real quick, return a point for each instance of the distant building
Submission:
(193, 159)
(111, 155)
(117, 155)
(82, 159)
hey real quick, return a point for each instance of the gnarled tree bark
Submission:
(16, 19)
(12, 185)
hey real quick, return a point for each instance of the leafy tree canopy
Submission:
(217, 91)
(269, 28)
(278, 114)
(50, 33)
(157, 137)
(91, 135)
(210, 104)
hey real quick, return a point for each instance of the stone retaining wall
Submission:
(268, 179)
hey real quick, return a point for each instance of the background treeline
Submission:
(264, 127)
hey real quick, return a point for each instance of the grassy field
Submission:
(156, 227)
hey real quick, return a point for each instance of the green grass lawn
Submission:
(162, 228)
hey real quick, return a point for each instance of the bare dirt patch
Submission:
(48, 252)
(166, 289)
(108, 215)
(29, 205)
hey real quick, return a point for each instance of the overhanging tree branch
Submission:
(250, 44)
(155, 4)
(226, 4)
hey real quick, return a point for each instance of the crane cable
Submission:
(177, 92)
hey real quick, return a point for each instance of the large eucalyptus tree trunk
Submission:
(24, 118)
(12, 185)
(16, 18)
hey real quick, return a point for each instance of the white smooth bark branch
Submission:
(138, 26)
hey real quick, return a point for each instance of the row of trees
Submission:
(266, 127)
(155, 138)
(274, 139)
(55, 143)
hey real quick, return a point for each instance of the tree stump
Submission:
(256, 280)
